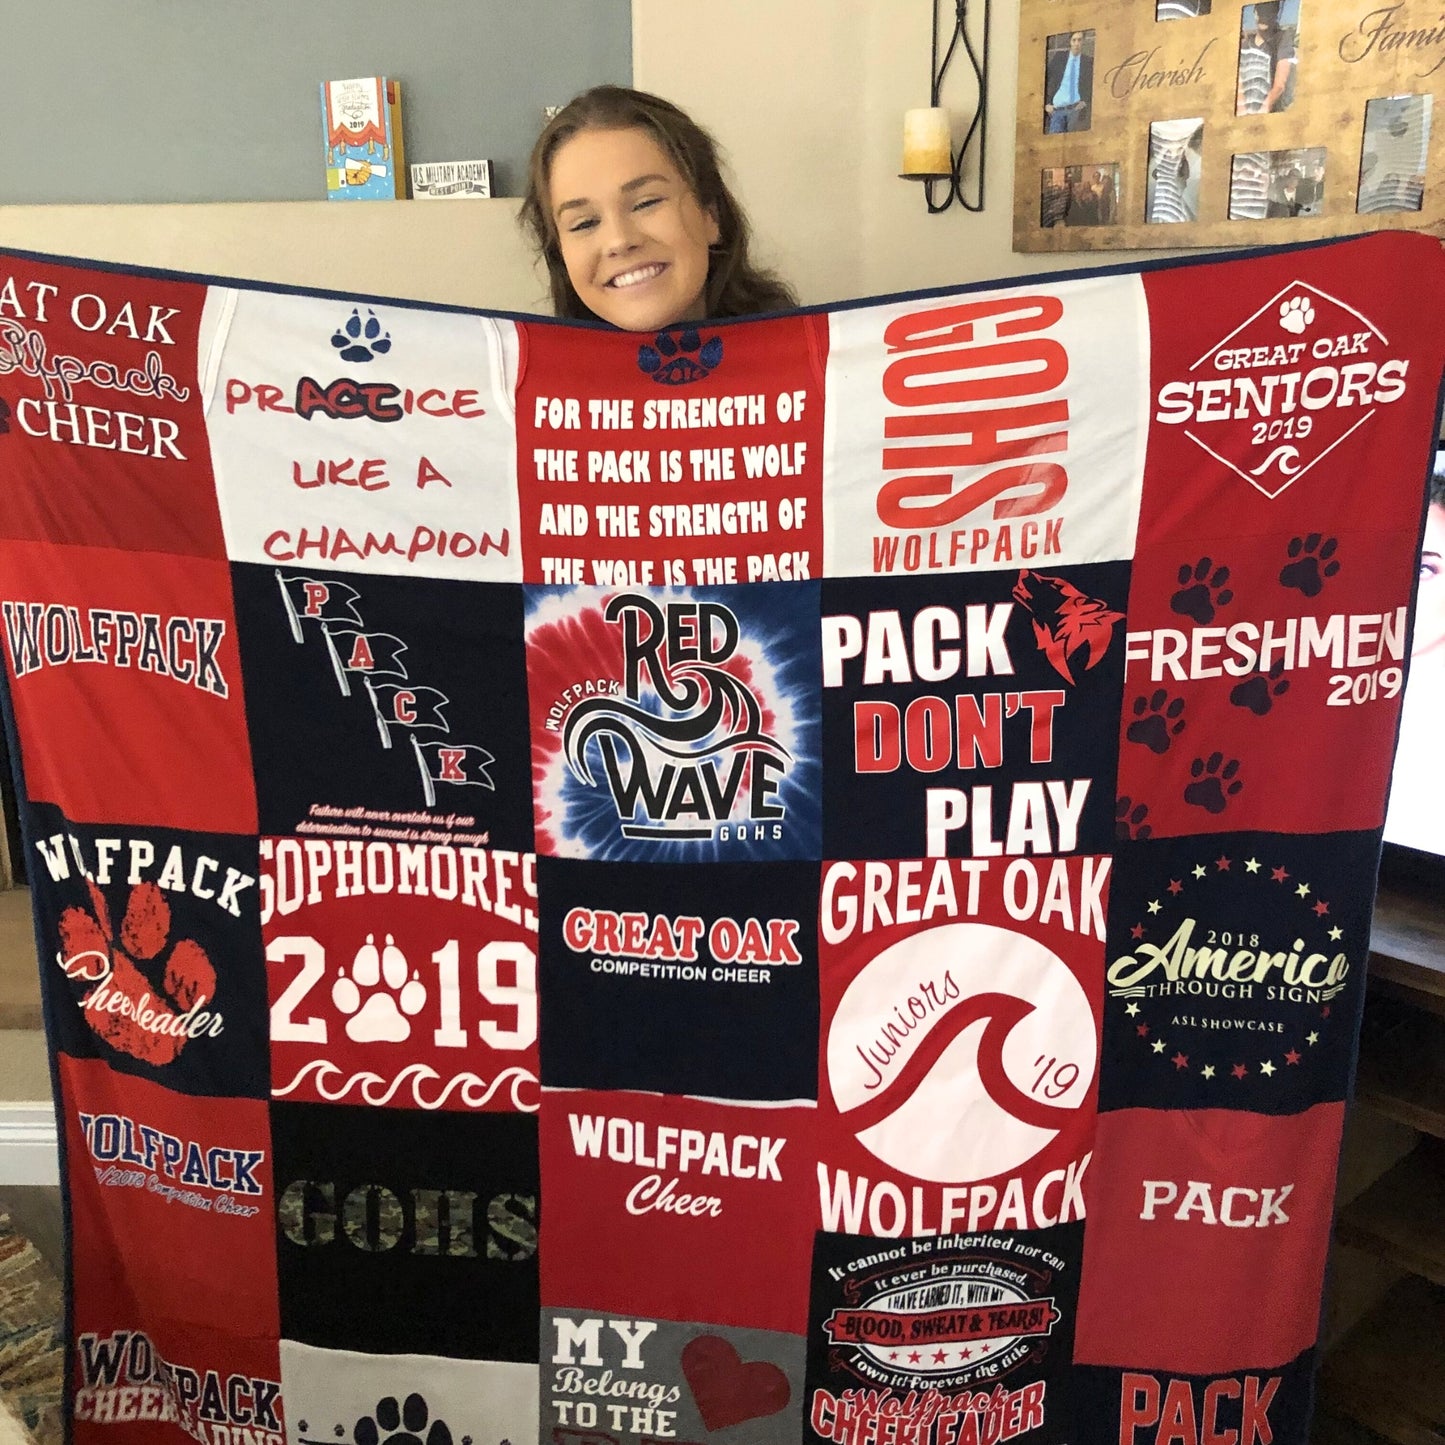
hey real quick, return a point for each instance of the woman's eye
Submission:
(1429, 566)
(650, 201)
(584, 225)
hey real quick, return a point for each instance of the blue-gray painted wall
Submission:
(218, 100)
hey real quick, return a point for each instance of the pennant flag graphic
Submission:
(317, 601)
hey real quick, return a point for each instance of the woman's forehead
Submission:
(596, 158)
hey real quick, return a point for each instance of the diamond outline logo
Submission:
(1286, 457)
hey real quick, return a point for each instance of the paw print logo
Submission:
(1129, 821)
(376, 996)
(1157, 721)
(403, 1423)
(1311, 563)
(128, 968)
(1258, 693)
(1214, 782)
(360, 340)
(1202, 591)
(676, 360)
(1296, 315)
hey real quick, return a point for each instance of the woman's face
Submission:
(1430, 609)
(634, 238)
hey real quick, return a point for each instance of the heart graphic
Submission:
(726, 1390)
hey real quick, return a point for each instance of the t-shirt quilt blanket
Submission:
(798, 880)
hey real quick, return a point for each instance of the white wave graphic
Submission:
(474, 1091)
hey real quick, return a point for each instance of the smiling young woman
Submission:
(627, 205)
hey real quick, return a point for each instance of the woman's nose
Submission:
(619, 234)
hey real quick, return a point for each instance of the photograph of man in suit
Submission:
(1069, 83)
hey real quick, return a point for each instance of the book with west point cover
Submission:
(365, 158)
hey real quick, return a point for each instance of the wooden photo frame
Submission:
(1224, 123)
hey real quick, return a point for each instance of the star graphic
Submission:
(1208, 1071)
(892, 1354)
(1251, 865)
(1337, 933)
(965, 1354)
(1239, 1071)
(1154, 905)
(1321, 908)
(1292, 1057)
(1199, 871)
(1137, 931)
(914, 1357)
(1266, 1068)
(1279, 874)
(1222, 863)
(1131, 1009)
(939, 1356)
(1312, 1038)
(1176, 885)
(1159, 1046)
(1302, 890)
(1180, 1061)
(1142, 1030)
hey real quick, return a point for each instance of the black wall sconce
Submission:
(928, 153)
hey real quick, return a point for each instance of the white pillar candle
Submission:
(927, 142)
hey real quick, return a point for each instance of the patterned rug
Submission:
(32, 1355)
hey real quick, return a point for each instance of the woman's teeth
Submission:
(632, 278)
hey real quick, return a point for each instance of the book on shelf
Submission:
(450, 180)
(365, 158)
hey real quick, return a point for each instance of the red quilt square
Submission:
(958, 1071)
(102, 429)
(133, 1380)
(693, 457)
(1300, 398)
(1224, 1214)
(706, 1207)
(402, 976)
(172, 1205)
(1242, 648)
(126, 680)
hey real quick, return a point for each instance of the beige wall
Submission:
(465, 253)
(807, 97)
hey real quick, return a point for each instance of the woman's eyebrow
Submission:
(627, 188)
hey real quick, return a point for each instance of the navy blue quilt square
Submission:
(1235, 970)
(389, 707)
(684, 979)
(150, 951)
(972, 715)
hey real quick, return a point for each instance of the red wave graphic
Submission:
(1003, 1011)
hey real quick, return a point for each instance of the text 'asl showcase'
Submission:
(794, 882)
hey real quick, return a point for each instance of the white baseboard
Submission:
(29, 1152)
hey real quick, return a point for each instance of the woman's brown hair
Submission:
(735, 286)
